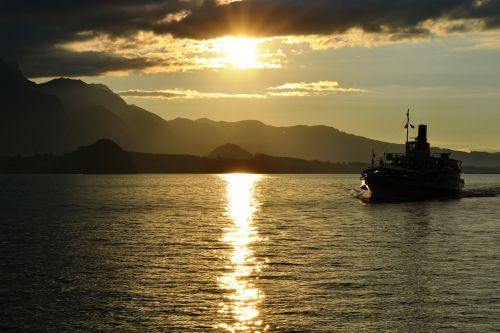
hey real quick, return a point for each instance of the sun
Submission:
(242, 53)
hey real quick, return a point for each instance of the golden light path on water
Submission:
(242, 297)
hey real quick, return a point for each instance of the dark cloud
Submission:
(490, 11)
(302, 17)
(33, 30)
(60, 62)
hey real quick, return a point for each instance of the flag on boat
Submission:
(408, 120)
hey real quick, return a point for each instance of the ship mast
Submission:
(408, 125)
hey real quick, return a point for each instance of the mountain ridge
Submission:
(230, 150)
(106, 157)
(62, 114)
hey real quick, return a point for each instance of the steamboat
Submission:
(416, 174)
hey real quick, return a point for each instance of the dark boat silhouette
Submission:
(414, 175)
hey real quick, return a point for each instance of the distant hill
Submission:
(106, 157)
(103, 156)
(63, 114)
(230, 150)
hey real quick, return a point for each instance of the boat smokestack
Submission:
(422, 133)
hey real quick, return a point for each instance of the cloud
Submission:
(169, 54)
(319, 87)
(481, 43)
(324, 17)
(33, 32)
(301, 89)
(181, 94)
(61, 62)
(38, 32)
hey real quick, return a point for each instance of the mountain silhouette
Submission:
(30, 120)
(104, 156)
(229, 151)
(94, 112)
(63, 114)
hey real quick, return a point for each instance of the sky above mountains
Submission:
(353, 64)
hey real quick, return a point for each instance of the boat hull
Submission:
(387, 185)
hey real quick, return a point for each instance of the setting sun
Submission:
(241, 53)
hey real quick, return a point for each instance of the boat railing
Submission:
(394, 156)
(441, 155)
(400, 156)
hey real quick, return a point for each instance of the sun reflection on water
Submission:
(242, 297)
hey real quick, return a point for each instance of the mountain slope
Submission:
(106, 157)
(230, 150)
(306, 142)
(103, 156)
(63, 114)
(95, 109)
(30, 120)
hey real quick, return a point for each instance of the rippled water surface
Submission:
(243, 253)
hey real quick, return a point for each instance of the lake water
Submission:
(243, 253)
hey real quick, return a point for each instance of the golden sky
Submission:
(355, 65)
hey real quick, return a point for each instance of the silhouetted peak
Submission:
(204, 121)
(77, 94)
(11, 74)
(103, 156)
(181, 122)
(241, 122)
(230, 150)
(181, 119)
(65, 82)
(104, 146)
(252, 122)
(325, 128)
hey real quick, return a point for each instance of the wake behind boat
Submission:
(415, 175)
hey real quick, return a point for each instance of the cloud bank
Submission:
(300, 89)
(36, 31)
(181, 94)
